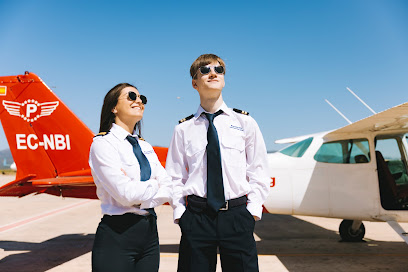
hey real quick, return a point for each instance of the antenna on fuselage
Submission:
(368, 107)
(342, 115)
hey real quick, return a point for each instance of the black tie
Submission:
(145, 170)
(215, 186)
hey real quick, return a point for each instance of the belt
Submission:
(201, 203)
(120, 223)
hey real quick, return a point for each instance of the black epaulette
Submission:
(101, 134)
(241, 111)
(185, 119)
(140, 138)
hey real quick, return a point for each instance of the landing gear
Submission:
(352, 231)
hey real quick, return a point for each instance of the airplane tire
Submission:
(348, 235)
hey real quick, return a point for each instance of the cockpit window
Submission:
(297, 149)
(392, 151)
(346, 151)
(392, 171)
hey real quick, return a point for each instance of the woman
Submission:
(130, 182)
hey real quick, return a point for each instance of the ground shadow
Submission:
(45, 255)
(302, 246)
(51, 253)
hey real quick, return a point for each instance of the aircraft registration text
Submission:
(52, 142)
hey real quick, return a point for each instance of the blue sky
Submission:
(283, 57)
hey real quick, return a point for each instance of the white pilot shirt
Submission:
(116, 173)
(243, 156)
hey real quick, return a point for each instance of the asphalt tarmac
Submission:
(48, 233)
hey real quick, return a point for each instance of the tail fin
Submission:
(161, 153)
(45, 137)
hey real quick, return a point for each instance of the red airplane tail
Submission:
(49, 143)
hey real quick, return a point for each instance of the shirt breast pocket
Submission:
(195, 150)
(151, 156)
(233, 151)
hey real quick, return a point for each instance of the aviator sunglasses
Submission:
(204, 70)
(133, 96)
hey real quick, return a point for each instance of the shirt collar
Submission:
(119, 132)
(223, 107)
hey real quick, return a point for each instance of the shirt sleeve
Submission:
(105, 163)
(176, 166)
(257, 169)
(164, 193)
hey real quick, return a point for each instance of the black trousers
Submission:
(230, 231)
(127, 242)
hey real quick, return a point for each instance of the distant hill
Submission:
(5, 159)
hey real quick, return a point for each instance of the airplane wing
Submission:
(296, 139)
(61, 186)
(19, 187)
(393, 119)
(70, 184)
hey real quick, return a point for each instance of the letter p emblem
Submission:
(31, 108)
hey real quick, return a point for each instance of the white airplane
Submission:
(357, 172)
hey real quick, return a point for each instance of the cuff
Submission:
(178, 212)
(162, 196)
(154, 184)
(255, 210)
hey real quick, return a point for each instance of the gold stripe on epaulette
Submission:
(100, 134)
(241, 111)
(185, 119)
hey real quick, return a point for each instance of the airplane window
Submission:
(392, 172)
(389, 149)
(391, 152)
(347, 151)
(297, 149)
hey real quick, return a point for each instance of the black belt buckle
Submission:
(226, 206)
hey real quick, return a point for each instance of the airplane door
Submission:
(350, 174)
(392, 172)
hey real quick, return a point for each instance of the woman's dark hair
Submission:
(109, 102)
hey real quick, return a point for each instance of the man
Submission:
(217, 207)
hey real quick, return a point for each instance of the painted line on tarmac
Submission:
(40, 216)
(318, 254)
(340, 255)
(169, 255)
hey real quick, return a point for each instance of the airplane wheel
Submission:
(348, 235)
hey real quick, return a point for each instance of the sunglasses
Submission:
(133, 96)
(204, 70)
